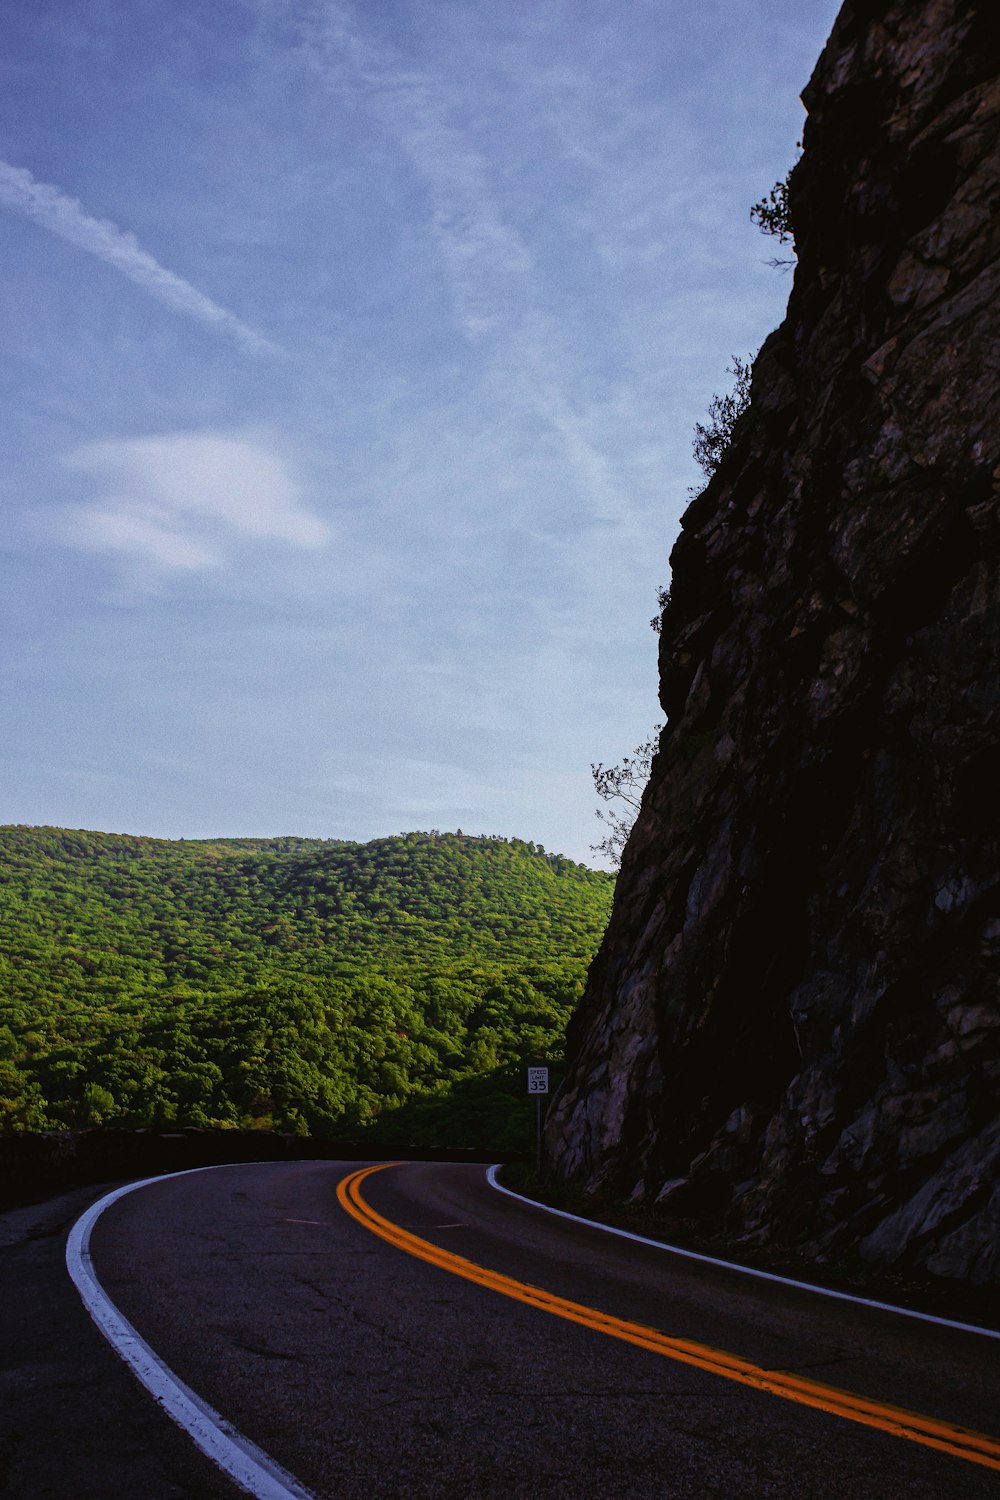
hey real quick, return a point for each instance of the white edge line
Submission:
(729, 1265)
(249, 1466)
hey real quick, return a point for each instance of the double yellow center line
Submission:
(961, 1442)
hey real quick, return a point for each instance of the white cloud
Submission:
(64, 216)
(180, 501)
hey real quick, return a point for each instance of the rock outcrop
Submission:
(792, 1030)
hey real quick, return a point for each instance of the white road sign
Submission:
(538, 1080)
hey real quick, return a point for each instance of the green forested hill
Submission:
(299, 984)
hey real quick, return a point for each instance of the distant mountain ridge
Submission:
(304, 984)
(411, 897)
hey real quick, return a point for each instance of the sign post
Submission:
(538, 1084)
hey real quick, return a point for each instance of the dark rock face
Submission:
(792, 1030)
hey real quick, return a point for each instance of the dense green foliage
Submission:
(295, 984)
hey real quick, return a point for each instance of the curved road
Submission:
(366, 1371)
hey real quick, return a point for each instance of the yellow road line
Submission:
(960, 1442)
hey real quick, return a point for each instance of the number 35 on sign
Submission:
(538, 1080)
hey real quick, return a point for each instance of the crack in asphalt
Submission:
(265, 1353)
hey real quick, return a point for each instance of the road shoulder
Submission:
(74, 1423)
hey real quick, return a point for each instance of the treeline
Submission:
(315, 986)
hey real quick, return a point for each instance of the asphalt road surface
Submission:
(366, 1371)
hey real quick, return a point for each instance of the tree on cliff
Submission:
(773, 216)
(623, 784)
(712, 438)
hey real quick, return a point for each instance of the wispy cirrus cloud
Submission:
(486, 259)
(496, 292)
(181, 501)
(64, 216)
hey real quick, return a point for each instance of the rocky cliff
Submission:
(792, 1031)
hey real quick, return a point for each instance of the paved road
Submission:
(74, 1425)
(369, 1373)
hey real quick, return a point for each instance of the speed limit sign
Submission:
(538, 1080)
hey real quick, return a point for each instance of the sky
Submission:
(351, 359)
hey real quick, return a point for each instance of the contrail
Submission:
(64, 216)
